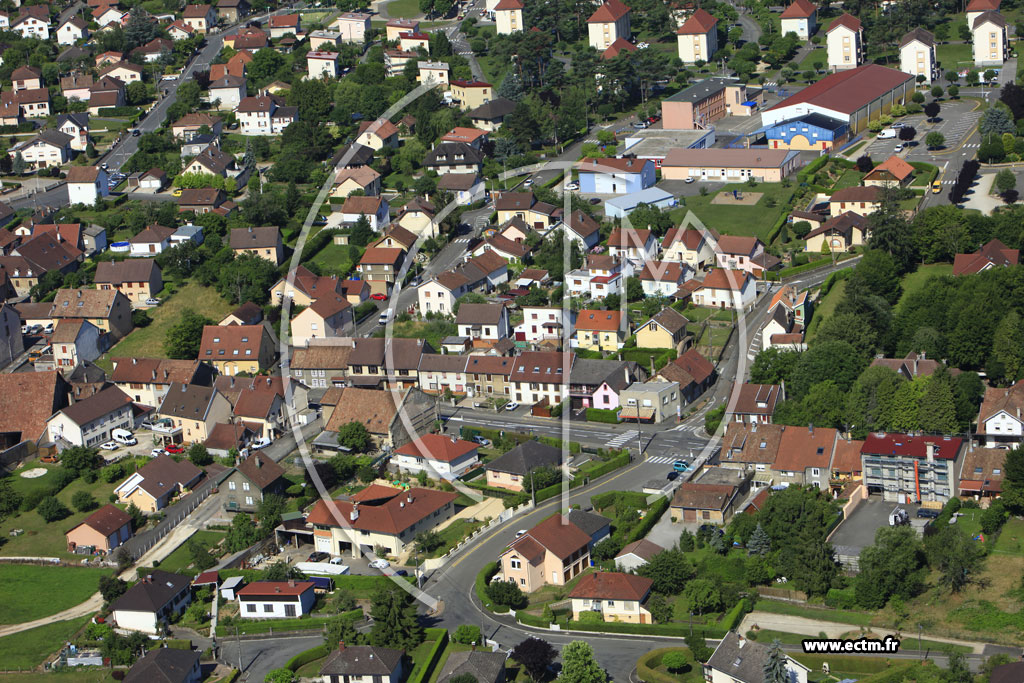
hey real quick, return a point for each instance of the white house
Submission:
(486, 322)
(86, 184)
(663, 278)
(697, 38)
(801, 18)
(999, 418)
(264, 116)
(990, 42)
(440, 456)
(738, 660)
(72, 30)
(541, 376)
(375, 209)
(148, 605)
(636, 554)
(723, 288)
(543, 322)
(607, 24)
(89, 422)
(636, 244)
(275, 599)
(77, 127)
(845, 41)
(917, 55)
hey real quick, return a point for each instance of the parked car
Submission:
(654, 119)
(152, 301)
(511, 405)
(157, 452)
(401, 572)
(640, 124)
(898, 149)
(690, 179)
(136, 133)
(177, 192)
(109, 446)
(520, 533)
(318, 556)
(680, 465)
(259, 443)
(528, 182)
(927, 513)
(573, 185)
(379, 297)
(175, 449)
(482, 441)
(379, 564)
(672, 476)
(123, 436)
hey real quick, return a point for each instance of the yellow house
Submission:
(600, 330)
(194, 410)
(152, 487)
(840, 233)
(508, 16)
(666, 330)
(551, 553)
(616, 596)
(237, 348)
(306, 287)
(351, 179)
(607, 24)
(471, 94)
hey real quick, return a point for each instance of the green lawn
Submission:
(755, 220)
(953, 55)
(42, 539)
(181, 559)
(1011, 538)
(404, 8)
(79, 675)
(766, 636)
(33, 595)
(851, 178)
(912, 282)
(431, 332)
(818, 54)
(334, 259)
(149, 341)
(825, 307)
(453, 534)
(28, 649)
(836, 615)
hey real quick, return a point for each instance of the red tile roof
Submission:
(845, 19)
(703, 496)
(848, 91)
(437, 447)
(558, 535)
(612, 586)
(847, 457)
(801, 448)
(894, 165)
(723, 278)
(393, 516)
(594, 320)
(509, 5)
(699, 22)
(799, 9)
(993, 254)
(106, 520)
(904, 445)
(618, 46)
(610, 10)
(258, 589)
(983, 6)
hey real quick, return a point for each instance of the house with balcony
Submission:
(551, 553)
(902, 468)
(483, 323)
(616, 596)
(602, 331)
(596, 383)
(543, 323)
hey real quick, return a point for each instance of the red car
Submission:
(174, 449)
(378, 297)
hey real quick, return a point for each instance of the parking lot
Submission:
(857, 531)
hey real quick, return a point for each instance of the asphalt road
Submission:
(257, 658)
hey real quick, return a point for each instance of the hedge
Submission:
(645, 665)
(810, 169)
(178, 643)
(676, 630)
(364, 309)
(734, 616)
(493, 491)
(233, 676)
(642, 357)
(607, 466)
(574, 447)
(602, 415)
(303, 658)
(654, 513)
(422, 673)
(317, 242)
(480, 586)
(307, 623)
(777, 227)
(930, 169)
(474, 473)
(533, 620)
(119, 112)
(841, 598)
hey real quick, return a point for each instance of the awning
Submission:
(970, 485)
(763, 478)
(630, 412)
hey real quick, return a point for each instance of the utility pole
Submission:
(238, 644)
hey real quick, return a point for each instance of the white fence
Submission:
(435, 563)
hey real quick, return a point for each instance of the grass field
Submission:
(825, 307)
(149, 341)
(80, 675)
(34, 596)
(431, 332)
(917, 280)
(1011, 538)
(334, 259)
(453, 534)
(28, 649)
(180, 559)
(404, 9)
(42, 539)
(818, 54)
(755, 220)
(766, 636)
(836, 615)
(952, 55)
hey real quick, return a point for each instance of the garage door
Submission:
(689, 515)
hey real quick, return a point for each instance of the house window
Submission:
(245, 486)
(289, 610)
(267, 607)
(231, 486)
(248, 500)
(516, 564)
(250, 607)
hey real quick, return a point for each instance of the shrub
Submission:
(52, 510)
(83, 501)
(467, 634)
(674, 661)
(506, 593)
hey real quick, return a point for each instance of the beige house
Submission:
(396, 27)
(607, 24)
(321, 64)
(237, 348)
(666, 330)
(697, 38)
(199, 18)
(616, 596)
(417, 216)
(860, 200)
(378, 517)
(264, 242)
(154, 486)
(324, 40)
(471, 94)
(353, 27)
(508, 16)
(551, 553)
(840, 233)
(488, 376)
(362, 178)
(328, 317)
(433, 72)
(801, 18)
(989, 39)
(147, 380)
(845, 43)
(917, 55)
(378, 134)
(194, 410)
(103, 530)
(109, 310)
(730, 165)
(512, 470)
(693, 247)
(137, 279)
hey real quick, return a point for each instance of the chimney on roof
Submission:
(134, 360)
(183, 389)
(291, 582)
(341, 645)
(154, 374)
(354, 515)
(277, 589)
(408, 497)
(810, 428)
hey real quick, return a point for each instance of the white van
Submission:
(123, 436)
(384, 317)
(887, 133)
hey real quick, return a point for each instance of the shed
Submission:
(231, 585)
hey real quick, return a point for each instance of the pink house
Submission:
(596, 383)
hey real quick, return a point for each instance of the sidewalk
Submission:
(831, 629)
(980, 198)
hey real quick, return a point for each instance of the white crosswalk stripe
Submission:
(623, 438)
(661, 459)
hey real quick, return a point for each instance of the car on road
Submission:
(175, 449)
(680, 465)
(157, 452)
(511, 405)
(379, 297)
(152, 301)
(926, 513)
(104, 166)
(690, 179)
(672, 476)
(640, 124)
(520, 533)
(401, 572)
(415, 281)
(653, 119)
(528, 182)
(897, 149)
(897, 124)
(109, 446)
(937, 187)
(379, 564)
(136, 133)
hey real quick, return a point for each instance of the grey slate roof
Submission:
(485, 667)
(594, 371)
(361, 660)
(589, 522)
(163, 665)
(742, 659)
(527, 457)
(151, 596)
